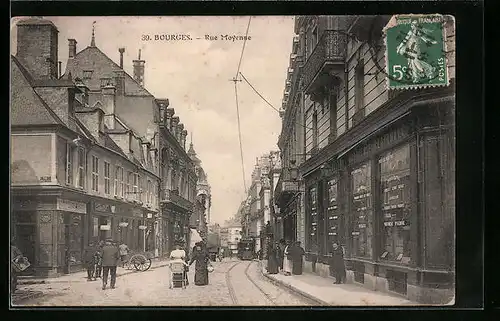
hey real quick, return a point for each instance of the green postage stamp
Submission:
(416, 52)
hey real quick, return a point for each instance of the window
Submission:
(313, 40)
(313, 218)
(107, 181)
(361, 211)
(334, 218)
(95, 174)
(332, 101)
(117, 181)
(69, 164)
(87, 74)
(135, 186)
(149, 193)
(122, 182)
(129, 182)
(315, 129)
(81, 167)
(141, 188)
(359, 87)
(95, 225)
(395, 195)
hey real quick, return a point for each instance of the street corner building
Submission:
(84, 167)
(365, 166)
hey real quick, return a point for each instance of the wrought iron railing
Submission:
(331, 46)
(174, 197)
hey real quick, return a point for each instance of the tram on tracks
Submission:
(246, 249)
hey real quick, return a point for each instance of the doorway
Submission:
(26, 242)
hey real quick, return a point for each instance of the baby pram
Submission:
(178, 275)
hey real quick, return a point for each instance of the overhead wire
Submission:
(235, 79)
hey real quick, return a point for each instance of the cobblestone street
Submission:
(230, 284)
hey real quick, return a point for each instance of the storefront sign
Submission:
(105, 227)
(107, 208)
(71, 206)
(137, 212)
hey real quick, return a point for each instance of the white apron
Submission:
(287, 264)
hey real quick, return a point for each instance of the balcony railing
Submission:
(331, 48)
(172, 196)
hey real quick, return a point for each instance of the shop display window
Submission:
(333, 214)
(361, 227)
(76, 239)
(313, 215)
(395, 203)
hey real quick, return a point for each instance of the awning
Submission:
(195, 238)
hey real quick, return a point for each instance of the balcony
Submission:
(173, 197)
(285, 188)
(328, 57)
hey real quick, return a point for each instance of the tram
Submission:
(246, 249)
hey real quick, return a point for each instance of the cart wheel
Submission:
(141, 263)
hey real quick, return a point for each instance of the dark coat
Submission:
(337, 264)
(110, 255)
(88, 255)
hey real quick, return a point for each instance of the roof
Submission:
(37, 22)
(27, 107)
(92, 58)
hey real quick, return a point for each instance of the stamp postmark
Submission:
(416, 52)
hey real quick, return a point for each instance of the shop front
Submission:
(389, 201)
(177, 227)
(119, 221)
(49, 231)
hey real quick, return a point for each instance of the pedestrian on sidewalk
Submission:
(98, 260)
(88, 260)
(201, 256)
(297, 253)
(110, 257)
(337, 264)
(287, 258)
(272, 260)
(280, 249)
(124, 250)
(314, 256)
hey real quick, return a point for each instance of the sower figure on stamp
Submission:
(110, 257)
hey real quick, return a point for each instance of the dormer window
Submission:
(87, 74)
(105, 81)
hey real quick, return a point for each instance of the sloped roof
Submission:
(26, 106)
(92, 58)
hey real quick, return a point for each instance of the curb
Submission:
(50, 281)
(292, 288)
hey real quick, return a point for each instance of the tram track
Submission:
(230, 287)
(268, 297)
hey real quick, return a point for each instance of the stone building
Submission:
(76, 175)
(377, 166)
(158, 124)
(203, 195)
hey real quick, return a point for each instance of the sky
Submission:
(195, 77)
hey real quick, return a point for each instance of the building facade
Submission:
(75, 177)
(203, 194)
(157, 124)
(378, 173)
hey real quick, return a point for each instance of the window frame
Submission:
(82, 165)
(69, 177)
(95, 173)
(107, 178)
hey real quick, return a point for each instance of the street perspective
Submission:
(177, 161)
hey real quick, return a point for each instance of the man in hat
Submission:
(110, 257)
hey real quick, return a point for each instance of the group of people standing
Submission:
(200, 255)
(287, 257)
(102, 259)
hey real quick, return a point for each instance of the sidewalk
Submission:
(82, 275)
(323, 291)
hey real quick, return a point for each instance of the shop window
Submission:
(361, 211)
(69, 164)
(95, 174)
(395, 195)
(75, 236)
(81, 167)
(107, 180)
(313, 216)
(333, 214)
(95, 227)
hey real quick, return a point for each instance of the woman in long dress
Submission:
(200, 255)
(337, 264)
(297, 258)
(287, 259)
(272, 260)
(179, 255)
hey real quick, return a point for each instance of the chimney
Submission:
(168, 117)
(108, 105)
(121, 50)
(120, 82)
(173, 126)
(183, 140)
(37, 47)
(139, 69)
(180, 128)
(72, 48)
